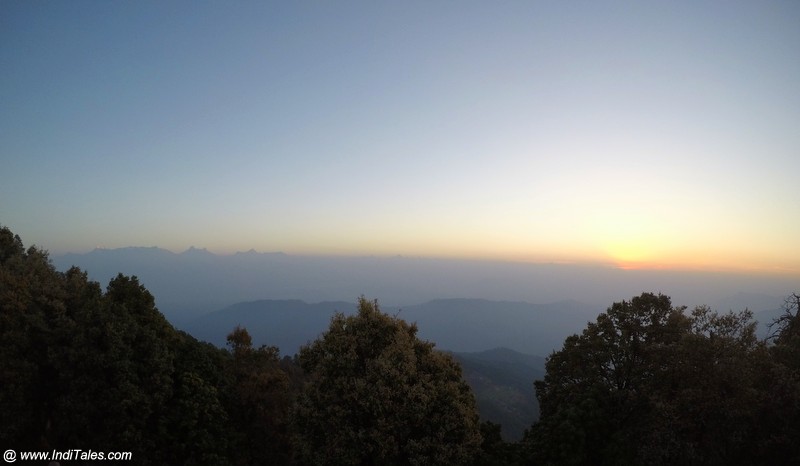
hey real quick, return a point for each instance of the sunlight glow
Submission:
(629, 254)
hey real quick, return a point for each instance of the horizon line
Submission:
(631, 266)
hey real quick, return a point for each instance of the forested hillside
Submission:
(501, 380)
(644, 383)
(103, 370)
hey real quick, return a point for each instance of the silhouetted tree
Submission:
(494, 450)
(377, 394)
(104, 371)
(779, 388)
(31, 306)
(197, 428)
(648, 384)
(259, 402)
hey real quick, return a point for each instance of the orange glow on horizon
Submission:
(706, 265)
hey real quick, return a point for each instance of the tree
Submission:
(787, 330)
(103, 370)
(258, 402)
(591, 399)
(780, 389)
(494, 450)
(648, 384)
(377, 394)
(197, 428)
(705, 399)
(114, 370)
(31, 306)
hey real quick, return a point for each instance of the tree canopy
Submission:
(105, 371)
(377, 394)
(648, 383)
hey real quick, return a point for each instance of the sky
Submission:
(638, 134)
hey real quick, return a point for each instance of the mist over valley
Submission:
(462, 305)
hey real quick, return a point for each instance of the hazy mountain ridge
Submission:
(287, 324)
(460, 325)
(196, 281)
(469, 325)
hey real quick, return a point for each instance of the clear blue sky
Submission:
(648, 134)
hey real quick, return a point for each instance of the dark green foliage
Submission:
(197, 429)
(379, 395)
(31, 308)
(648, 384)
(593, 396)
(787, 333)
(779, 390)
(101, 370)
(495, 451)
(258, 402)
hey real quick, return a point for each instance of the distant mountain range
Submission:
(287, 324)
(197, 282)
